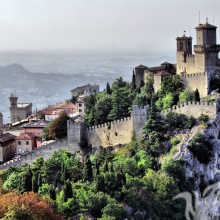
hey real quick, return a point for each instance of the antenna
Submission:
(199, 17)
(190, 31)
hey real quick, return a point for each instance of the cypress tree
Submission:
(108, 89)
(28, 180)
(105, 166)
(197, 96)
(133, 84)
(35, 182)
(67, 190)
(87, 170)
(142, 83)
(52, 192)
(39, 180)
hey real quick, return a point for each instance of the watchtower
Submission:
(184, 49)
(206, 50)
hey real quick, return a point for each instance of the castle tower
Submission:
(1, 119)
(184, 49)
(13, 101)
(206, 50)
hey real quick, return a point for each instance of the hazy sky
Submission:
(141, 26)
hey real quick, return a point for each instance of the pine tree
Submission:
(197, 96)
(108, 89)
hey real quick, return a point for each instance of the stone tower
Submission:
(13, 101)
(184, 50)
(1, 119)
(206, 50)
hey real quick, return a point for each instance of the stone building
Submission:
(197, 69)
(7, 147)
(142, 73)
(25, 142)
(19, 111)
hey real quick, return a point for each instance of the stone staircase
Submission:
(183, 150)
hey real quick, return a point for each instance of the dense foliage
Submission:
(56, 129)
(104, 185)
(136, 181)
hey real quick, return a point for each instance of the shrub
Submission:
(201, 148)
(203, 118)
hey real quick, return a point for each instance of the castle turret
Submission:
(206, 50)
(184, 49)
(139, 74)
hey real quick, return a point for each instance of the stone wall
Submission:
(198, 81)
(45, 151)
(195, 109)
(108, 134)
(111, 134)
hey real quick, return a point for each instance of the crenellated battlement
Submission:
(194, 109)
(109, 124)
(108, 134)
(190, 75)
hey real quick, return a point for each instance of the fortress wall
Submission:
(195, 109)
(111, 134)
(198, 81)
(108, 134)
(45, 151)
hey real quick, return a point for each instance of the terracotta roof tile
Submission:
(24, 136)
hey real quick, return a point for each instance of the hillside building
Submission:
(142, 73)
(197, 69)
(19, 111)
(25, 142)
(7, 147)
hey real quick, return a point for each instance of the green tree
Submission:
(167, 101)
(133, 83)
(186, 96)
(108, 89)
(87, 169)
(102, 109)
(58, 128)
(197, 96)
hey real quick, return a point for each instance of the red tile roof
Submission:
(24, 136)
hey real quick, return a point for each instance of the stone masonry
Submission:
(108, 134)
